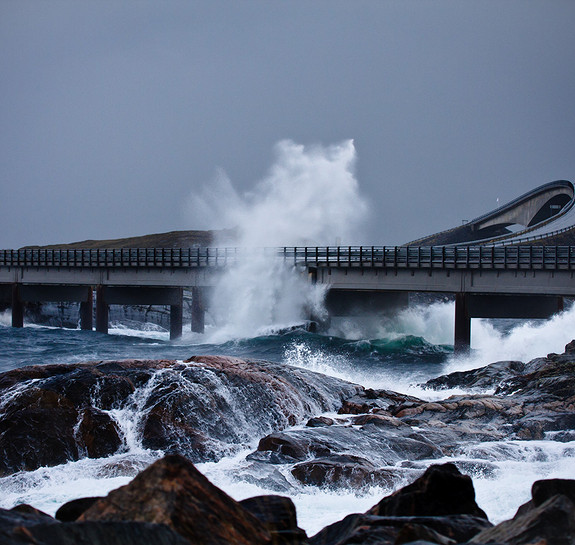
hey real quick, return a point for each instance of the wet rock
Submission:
(15, 524)
(278, 515)
(71, 510)
(385, 446)
(345, 471)
(172, 492)
(98, 433)
(486, 377)
(203, 408)
(418, 532)
(552, 522)
(296, 447)
(366, 529)
(374, 401)
(37, 428)
(441, 490)
(543, 490)
(320, 421)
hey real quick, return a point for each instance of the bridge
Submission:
(509, 263)
(487, 281)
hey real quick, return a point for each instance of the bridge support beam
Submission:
(102, 310)
(177, 317)
(17, 307)
(198, 310)
(86, 312)
(462, 342)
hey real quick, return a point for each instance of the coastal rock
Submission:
(71, 510)
(365, 529)
(278, 515)
(490, 376)
(172, 492)
(203, 408)
(344, 471)
(442, 490)
(98, 433)
(552, 522)
(387, 446)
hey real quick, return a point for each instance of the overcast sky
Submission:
(112, 113)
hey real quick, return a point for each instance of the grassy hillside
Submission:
(173, 239)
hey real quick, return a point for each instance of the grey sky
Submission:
(113, 112)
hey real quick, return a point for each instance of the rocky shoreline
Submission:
(209, 406)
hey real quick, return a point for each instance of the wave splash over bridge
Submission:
(310, 196)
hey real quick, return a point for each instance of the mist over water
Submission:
(310, 196)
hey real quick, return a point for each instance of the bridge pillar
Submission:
(86, 312)
(101, 310)
(462, 342)
(17, 307)
(176, 318)
(198, 310)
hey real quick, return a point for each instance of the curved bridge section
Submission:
(537, 215)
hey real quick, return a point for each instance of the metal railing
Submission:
(424, 257)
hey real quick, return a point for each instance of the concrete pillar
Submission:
(17, 307)
(198, 311)
(86, 312)
(101, 310)
(462, 325)
(176, 318)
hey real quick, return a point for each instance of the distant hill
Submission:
(173, 239)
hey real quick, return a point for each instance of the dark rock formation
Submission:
(174, 493)
(202, 408)
(441, 490)
(365, 529)
(172, 503)
(70, 511)
(343, 470)
(278, 515)
(549, 518)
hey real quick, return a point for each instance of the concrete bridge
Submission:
(487, 281)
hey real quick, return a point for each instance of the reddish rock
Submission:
(174, 493)
(99, 433)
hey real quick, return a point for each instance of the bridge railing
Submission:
(442, 257)
(423, 257)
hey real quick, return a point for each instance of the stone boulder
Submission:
(441, 490)
(278, 515)
(172, 492)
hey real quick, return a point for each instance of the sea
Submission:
(398, 353)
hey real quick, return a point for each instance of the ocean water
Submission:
(405, 351)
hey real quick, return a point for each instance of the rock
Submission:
(386, 446)
(441, 490)
(346, 471)
(418, 532)
(374, 401)
(552, 522)
(278, 514)
(320, 421)
(71, 510)
(295, 447)
(545, 489)
(174, 493)
(204, 408)
(98, 433)
(102, 533)
(489, 376)
(37, 428)
(15, 524)
(366, 529)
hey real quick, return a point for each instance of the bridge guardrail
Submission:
(424, 257)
